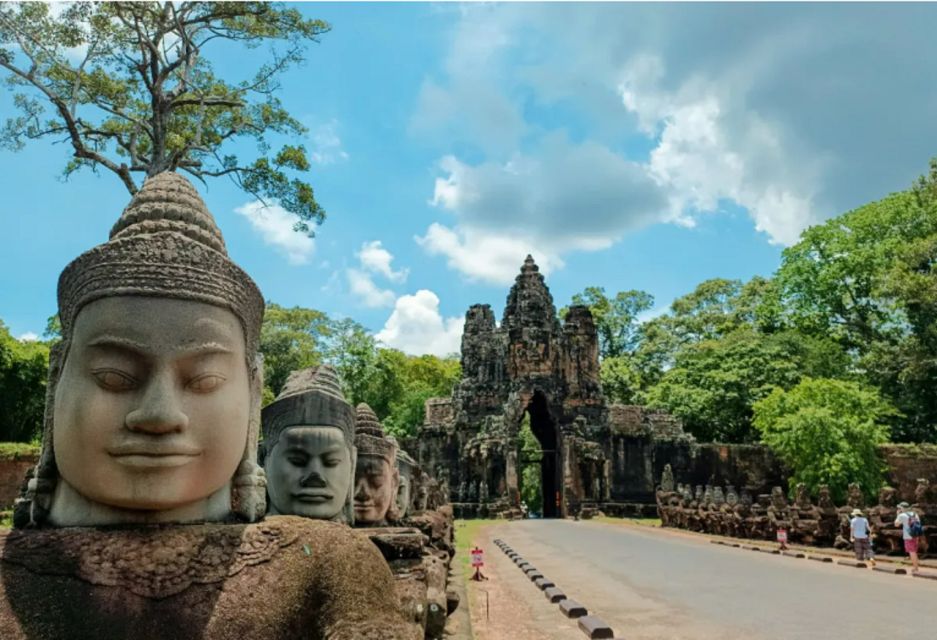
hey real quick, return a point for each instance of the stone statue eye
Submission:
(206, 383)
(297, 460)
(332, 461)
(114, 380)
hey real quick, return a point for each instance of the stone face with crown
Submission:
(309, 451)
(152, 418)
(376, 475)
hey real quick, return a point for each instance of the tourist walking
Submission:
(910, 524)
(860, 535)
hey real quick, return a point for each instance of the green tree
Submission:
(130, 88)
(531, 475)
(714, 384)
(833, 281)
(621, 379)
(827, 432)
(290, 339)
(418, 379)
(24, 367)
(616, 319)
(353, 353)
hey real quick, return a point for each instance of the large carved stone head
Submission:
(153, 403)
(376, 476)
(732, 498)
(888, 497)
(778, 499)
(309, 451)
(802, 499)
(405, 467)
(666, 479)
(854, 497)
(824, 500)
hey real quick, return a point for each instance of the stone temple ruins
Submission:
(165, 502)
(597, 456)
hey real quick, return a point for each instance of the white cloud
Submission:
(327, 145)
(367, 292)
(275, 225)
(416, 327)
(376, 259)
(485, 255)
(29, 336)
(762, 107)
(711, 149)
(561, 197)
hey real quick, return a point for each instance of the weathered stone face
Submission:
(375, 489)
(151, 417)
(403, 496)
(309, 472)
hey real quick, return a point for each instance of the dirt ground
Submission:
(508, 606)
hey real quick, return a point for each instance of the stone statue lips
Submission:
(148, 454)
(313, 496)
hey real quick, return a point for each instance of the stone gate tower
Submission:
(595, 455)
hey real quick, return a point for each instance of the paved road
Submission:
(659, 585)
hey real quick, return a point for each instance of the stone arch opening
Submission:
(545, 430)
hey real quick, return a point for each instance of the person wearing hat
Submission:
(860, 535)
(906, 519)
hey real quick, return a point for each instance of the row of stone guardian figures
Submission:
(167, 504)
(728, 512)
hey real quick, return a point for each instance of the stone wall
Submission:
(13, 468)
(907, 463)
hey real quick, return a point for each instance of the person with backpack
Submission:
(911, 530)
(860, 534)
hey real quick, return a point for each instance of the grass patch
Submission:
(18, 450)
(645, 522)
(6, 519)
(465, 532)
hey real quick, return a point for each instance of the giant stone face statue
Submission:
(309, 447)
(156, 384)
(376, 478)
(152, 416)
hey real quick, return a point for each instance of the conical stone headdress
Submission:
(165, 244)
(369, 435)
(310, 397)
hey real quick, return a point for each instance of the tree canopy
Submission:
(130, 87)
(827, 432)
(394, 384)
(23, 371)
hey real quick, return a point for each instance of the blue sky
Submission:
(623, 145)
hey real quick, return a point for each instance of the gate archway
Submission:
(545, 430)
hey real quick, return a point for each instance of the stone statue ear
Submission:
(348, 511)
(392, 513)
(249, 485)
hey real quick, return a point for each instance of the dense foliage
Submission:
(130, 88)
(23, 370)
(394, 384)
(531, 473)
(854, 300)
(827, 432)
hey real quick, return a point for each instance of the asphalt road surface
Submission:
(653, 585)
